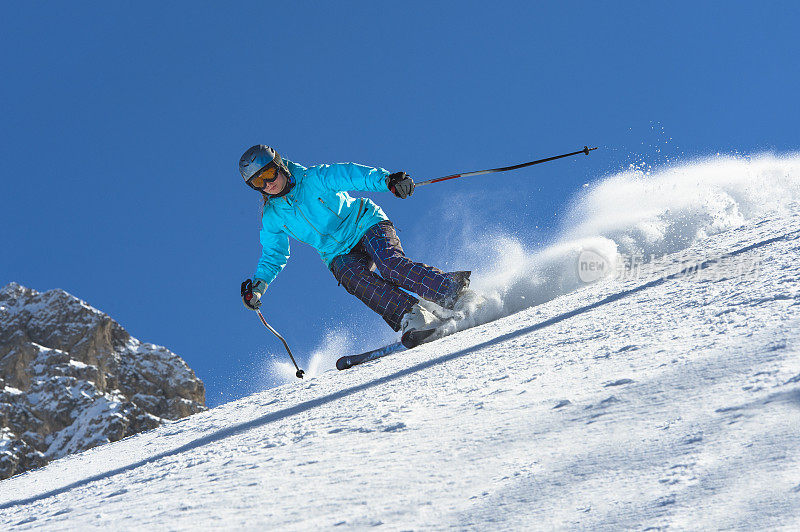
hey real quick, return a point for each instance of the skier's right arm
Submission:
(274, 253)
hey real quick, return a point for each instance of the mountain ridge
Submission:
(72, 378)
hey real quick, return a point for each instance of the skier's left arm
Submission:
(352, 176)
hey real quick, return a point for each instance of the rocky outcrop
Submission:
(72, 378)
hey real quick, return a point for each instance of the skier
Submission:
(352, 235)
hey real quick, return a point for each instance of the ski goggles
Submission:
(268, 174)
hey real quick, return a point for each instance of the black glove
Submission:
(400, 184)
(252, 292)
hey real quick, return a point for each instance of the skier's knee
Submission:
(391, 269)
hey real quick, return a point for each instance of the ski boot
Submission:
(417, 326)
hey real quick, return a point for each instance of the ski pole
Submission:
(247, 292)
(586, 150)
(299, 373)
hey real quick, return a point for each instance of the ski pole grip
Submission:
(247, 289)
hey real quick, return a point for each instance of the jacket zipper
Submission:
(293, 235)
(296, 208)
(286, 198)
(326, 206)
(360, 206)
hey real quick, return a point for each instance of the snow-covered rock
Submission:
(72, 378)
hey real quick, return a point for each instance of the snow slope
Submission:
(670, 399)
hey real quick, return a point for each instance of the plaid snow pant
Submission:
(380, 248)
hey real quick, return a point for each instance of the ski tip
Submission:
(343, 363)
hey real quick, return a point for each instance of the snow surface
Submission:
(667, 397)
(665, 401)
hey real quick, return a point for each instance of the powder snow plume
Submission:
(334, 344)
(631, 213)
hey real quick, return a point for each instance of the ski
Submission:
(353, 360)
(410, 340)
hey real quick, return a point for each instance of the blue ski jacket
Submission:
(319, 212)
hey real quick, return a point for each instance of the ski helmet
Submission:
(259, 159)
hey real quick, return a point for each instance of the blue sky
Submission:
(123, 123)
